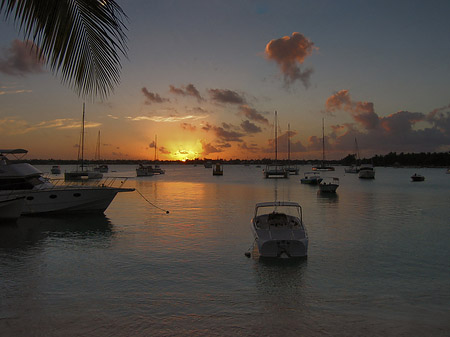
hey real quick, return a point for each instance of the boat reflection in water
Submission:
(31, 231)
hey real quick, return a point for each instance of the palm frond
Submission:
(81, 39)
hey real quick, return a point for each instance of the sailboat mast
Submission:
(156, 146)
(276, 140)
(82, 140)
(289, 143)
(323, 144)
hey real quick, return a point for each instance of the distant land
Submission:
(435, 159)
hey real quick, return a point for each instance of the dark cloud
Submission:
(249, 148)
(189, 90)
(163, 150)
(226, 96)
(289, 53)
(21, 59)
(188, 126)
(222, 134)
(153, 97)
(362, 112)
(208, 148)
(249, 127)
(253, 115)
(399, 131)
(283, 143)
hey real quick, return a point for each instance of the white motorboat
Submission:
(312, 178)
(329, 184)
(366, 172)
(145, 171)
(279, 230)
(43, 196)
(218, 170)
(10, 209)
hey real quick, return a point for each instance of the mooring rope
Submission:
(167, 212)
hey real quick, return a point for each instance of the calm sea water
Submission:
(378, 264)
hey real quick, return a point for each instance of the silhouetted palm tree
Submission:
(81, 39)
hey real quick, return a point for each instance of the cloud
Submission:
(362, 112)
(249, 127)
(289, 53)
(21, 59)
(404, 131)
(283, 144)
(13, 126)
(13, 92)
(168, 119)
(250, 148)
(226, 96)
(252, 114)
(153, 97)
(188, 126)
(189, 90)
(208, 148)
(163, 150)
(222, 134)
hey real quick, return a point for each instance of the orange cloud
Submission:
(289, 53)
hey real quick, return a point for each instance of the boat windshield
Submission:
(279, 209)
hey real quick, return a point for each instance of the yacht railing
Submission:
(111, 182)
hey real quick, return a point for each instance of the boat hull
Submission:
(10, 209)
(66, 200)
(366, 174)
(330, 188)
(280, 243)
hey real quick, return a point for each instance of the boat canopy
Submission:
(14, 151)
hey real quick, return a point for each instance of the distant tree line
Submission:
(435, 159)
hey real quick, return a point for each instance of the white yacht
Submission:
(42, 196)
(329, 184)
(279, 230)
(366, 172)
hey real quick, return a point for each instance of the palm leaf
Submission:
(81, 39)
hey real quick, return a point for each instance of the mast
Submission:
(323, 144)
(276, 140)
(97, 148)
(156, 146)
(289, 143)
(82, 140)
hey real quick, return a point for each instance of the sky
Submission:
(203, 79)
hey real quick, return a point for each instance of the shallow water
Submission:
(378, 264)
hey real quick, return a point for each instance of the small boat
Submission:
(103, 168)
(145, 171)
(366, 172)
(207, 164)
(10, 209)
(312, 178)
(55, 169)
(275, 171)
(158, 170)
(279, 230)
(417, 177)
(329, 184)
(218, 170)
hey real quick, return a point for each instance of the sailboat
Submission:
(149, 170)
(275, 170)
(99, 167)
(82, 172)
(292, 169)
(354, 168)
(322, 166)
